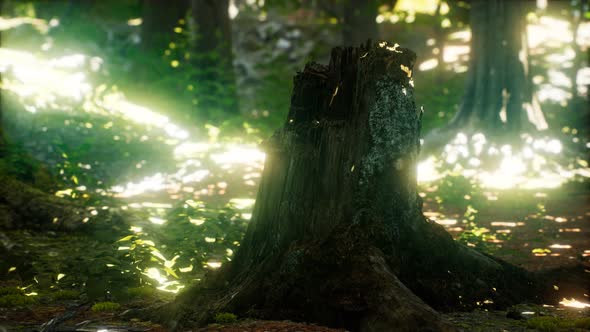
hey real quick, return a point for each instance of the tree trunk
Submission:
(358, 21)
(337, 235)
(212, 58)
(498, 95)
(159, 20)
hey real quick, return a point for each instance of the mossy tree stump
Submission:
(337, 235)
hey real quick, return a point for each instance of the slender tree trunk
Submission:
(212, 58)
(337, 235)
(159, 19)
(498, 95)
(358, 21)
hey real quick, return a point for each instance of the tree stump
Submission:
(337, 236)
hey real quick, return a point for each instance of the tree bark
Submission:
(498, 94)
(212, 58)
(337, 235)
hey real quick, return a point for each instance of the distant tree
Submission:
(159, 19)
(359, 21)
(498, 92)
(357, 18)
(211, 58)
(579, 10)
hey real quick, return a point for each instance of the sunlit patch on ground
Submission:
(537, 163)
(573, 303)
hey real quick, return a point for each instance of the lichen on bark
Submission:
(394, 128)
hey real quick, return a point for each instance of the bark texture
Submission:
(498, 95)
(337, 235)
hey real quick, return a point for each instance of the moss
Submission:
(582, 323)
(66, 294)
(142, 292)
(548, 323)
(394, 127)
(105, 306)
(225, 317)
(16, 300)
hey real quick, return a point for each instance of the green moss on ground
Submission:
(105, 307)
(225, 318)
(140, 292)
(553, 324)
(16, 300)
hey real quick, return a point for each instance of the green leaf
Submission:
(127, 238)
(171, 272)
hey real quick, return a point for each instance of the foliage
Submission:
(193, 235)
(105, 307)
(225, 318)
(439, 94)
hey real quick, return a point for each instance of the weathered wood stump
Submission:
(337, 236)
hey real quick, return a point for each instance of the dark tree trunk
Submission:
(498, 95)
(337, 235)
(159, 19)
(212, 58)
(358, 21)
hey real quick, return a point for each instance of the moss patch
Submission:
(105, 307)
(16, 300)
(224, 318)
(141, 292)
(551, 324)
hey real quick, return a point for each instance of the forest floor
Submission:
(556, 222)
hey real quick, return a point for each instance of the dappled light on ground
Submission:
(535, 162)
(573, 303)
